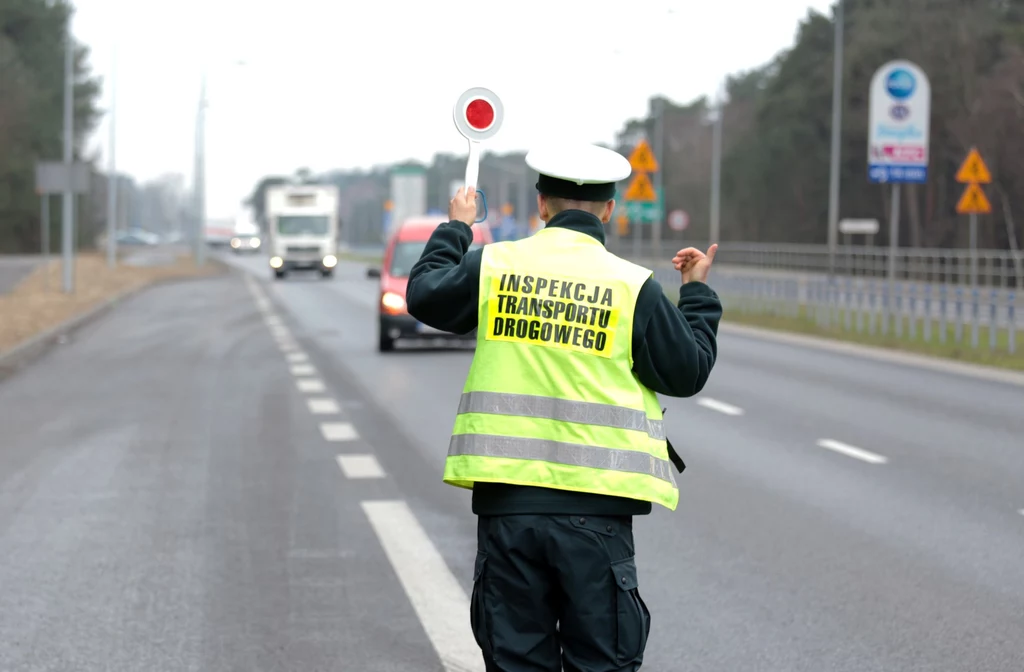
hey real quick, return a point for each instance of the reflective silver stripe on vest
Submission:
(559, 452)
(564, 410)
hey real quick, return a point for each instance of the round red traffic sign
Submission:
(478, 114)
(678, 220)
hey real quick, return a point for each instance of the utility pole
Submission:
(200, 177)
(716, 173)
(112, 209)
(659, 181)
(68, 230)
(837, 118)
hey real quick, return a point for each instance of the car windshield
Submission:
(303, 225)
(406, 255)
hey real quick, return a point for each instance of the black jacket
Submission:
(674, 347)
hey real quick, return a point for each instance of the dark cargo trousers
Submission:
(553, 593)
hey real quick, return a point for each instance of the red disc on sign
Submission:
(480, 114)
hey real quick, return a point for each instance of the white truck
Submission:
(302, 228)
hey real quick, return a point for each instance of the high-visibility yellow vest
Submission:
(551, 399)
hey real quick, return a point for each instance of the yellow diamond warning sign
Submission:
(641, 189)
(973, 202)
(973, 170)
(642, 159)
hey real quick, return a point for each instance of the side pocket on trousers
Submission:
(632, 617)
(478, 620)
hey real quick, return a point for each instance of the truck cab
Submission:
(302, 228)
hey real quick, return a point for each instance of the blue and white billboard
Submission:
(898, 124)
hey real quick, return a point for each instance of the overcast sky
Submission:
(356, 83)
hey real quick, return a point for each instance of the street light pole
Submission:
(112, 209)
(837, 118)
(659, 181)
(68, 228)
(200, 177)
(716, 173)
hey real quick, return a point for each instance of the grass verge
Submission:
(953, 348)
(37, 304)
(364, 258)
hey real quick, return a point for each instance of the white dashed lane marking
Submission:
(310, 385)
(360, 466)
(338, 431)
(323, 406)
(852, 451)
(438, 599)
(296, 357)
(303, 370)
(720, 406)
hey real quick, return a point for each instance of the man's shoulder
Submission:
(636, 273)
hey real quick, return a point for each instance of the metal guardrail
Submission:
(988, 317)
(995, 268)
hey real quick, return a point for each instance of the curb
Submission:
(36, 346)
(978, 371)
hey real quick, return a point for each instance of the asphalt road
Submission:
(227, 475)
(13, 269)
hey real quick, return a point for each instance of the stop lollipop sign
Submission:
(478, 114)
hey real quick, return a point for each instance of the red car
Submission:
(403, 251)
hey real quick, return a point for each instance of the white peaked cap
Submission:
(580, 163)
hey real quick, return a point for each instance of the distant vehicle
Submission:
(137, 237)
(247, 233)
(302, 231)
(403, 250)
(246, 242)
(218, 232)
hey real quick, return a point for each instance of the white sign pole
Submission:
(473, 164)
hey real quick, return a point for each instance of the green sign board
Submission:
(641, 212)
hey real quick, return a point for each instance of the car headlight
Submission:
(392, 301)
(254, 243)
(276, 262)
(236, 243)
(330, 261)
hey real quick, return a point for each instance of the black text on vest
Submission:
(554, 311)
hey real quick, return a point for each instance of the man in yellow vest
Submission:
(559, 432)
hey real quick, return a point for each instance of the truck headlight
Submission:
(330, 261)
(276, 262)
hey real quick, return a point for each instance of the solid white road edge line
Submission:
(338, 431)
(438, 599)
(851, 451)
(360, 466)
(878, 353)
(720, 406)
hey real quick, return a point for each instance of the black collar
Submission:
(579, 221)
